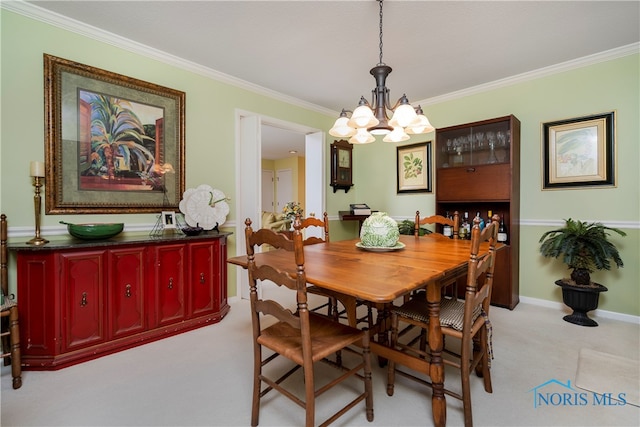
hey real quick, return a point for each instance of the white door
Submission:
(268, 191)
(284, 188)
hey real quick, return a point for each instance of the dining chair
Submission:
(465, 320)
(9, 319)
(441, 221)
(301, 336)
(350, 305)
(454, 223)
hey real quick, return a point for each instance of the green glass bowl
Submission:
(95, 231)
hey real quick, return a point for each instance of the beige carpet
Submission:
(604, 373)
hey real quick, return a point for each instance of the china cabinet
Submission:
(80, 300)
(478, 170)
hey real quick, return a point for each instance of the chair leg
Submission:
(466, 388)
(257, 384)
(484, 362)
(391, 368)
(16, 367)
(310, 397)
(368, 387)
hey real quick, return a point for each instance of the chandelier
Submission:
(366, 120)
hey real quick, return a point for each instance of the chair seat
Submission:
(327, 337)
(451, 311)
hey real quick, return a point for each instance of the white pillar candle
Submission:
(37, 169)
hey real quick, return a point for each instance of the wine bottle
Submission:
(481, 225)
(465, 228)
(447, 230)
(489, 216)
(502, 231)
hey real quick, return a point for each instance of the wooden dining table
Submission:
(382, 277)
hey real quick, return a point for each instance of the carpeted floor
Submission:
(609, 375)
(203, 378)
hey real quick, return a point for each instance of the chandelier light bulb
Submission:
(397, 135)
(363, 117)
(362, 137)
(341, 129)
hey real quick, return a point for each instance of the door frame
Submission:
(248, 174)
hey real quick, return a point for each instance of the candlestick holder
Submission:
(37, 240)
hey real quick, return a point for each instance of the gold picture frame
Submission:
(113, 144)
(579, 152)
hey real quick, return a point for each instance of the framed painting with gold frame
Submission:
(114, 144)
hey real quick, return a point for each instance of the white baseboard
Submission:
(596, 313)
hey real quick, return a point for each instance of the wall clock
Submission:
(341, 165)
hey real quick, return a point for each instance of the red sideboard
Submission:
(79, 300)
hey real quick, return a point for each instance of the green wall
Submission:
(607, 86)
(210, 142)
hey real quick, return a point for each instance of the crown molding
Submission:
(46, 16)
(35, 12)
(608, 55)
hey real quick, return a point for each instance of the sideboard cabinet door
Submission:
(204, 276)
(127, 291)
(169, 284)
(83, 298)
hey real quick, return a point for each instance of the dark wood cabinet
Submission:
(478, 170)
(81, 300)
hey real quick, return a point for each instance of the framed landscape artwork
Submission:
(579, 152)
(114, 144)
(414, 168)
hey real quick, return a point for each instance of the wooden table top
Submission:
(379, 277)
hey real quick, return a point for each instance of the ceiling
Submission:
(321, 52)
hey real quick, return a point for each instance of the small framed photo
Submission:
(414, 168)
(168, 220)
(579, 152)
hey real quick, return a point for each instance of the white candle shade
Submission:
(37, 169)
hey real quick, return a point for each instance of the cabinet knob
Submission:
(127, 291)
(170, 283)
(83, 302)
(471, 169)
(202, 278)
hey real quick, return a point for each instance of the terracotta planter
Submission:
(581, 300)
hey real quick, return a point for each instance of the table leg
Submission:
(436, 343)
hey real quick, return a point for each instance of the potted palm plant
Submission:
(584, 248)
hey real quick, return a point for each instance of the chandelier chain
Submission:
(381, 63)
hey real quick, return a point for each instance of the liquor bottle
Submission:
(481, 225)
(465, 228)
(502, 231)
(489, 216)
(447, 230)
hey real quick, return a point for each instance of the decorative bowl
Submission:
(379, 230)
(192, 231)
(94, 231)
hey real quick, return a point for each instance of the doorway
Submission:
(248, 174)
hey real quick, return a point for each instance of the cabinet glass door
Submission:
(484, 144)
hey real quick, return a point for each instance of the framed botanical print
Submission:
(414, 168)
(579, 152)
